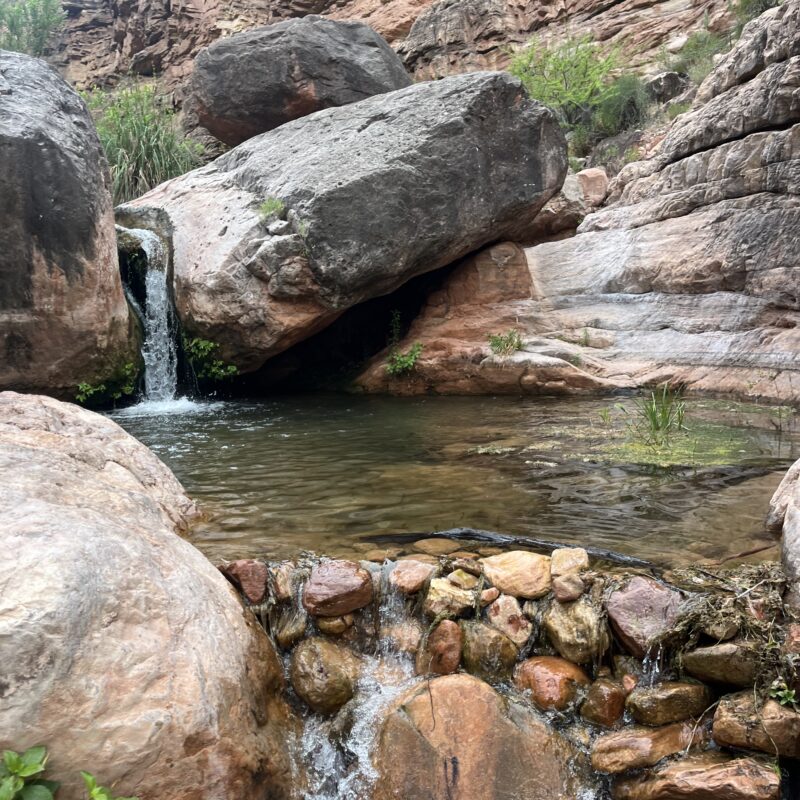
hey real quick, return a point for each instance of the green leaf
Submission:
(10, 786)
(26, 770)
(12, 761)
(35, 791)
(51, 785)
(35, 756)
(89, 780)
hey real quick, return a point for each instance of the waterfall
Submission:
(159, 349)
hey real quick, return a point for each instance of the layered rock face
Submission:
(689, 273)
(275, 239)
(123, 649)
(106, 39)
(63, 315)
(290, 69)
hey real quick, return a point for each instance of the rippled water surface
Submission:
(325, 473)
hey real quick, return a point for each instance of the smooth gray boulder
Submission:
(123, 649)
(254, 81)
(371, 195)
(63, 315)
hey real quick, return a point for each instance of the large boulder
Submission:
(784, 520)
(123, 649)
(292, 68)
(456, 738)
(275, 239)
(63, 315)
(689, 272)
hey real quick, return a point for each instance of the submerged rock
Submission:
(323, 674)
(293, 68)
(336, 588)
(456, 738)
(374, 193)
(63, 315)
(123, 649)
(605, 702)
(709, 776)
(554, 683)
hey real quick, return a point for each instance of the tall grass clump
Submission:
(26, 26)
(141, 138)
(658, 416)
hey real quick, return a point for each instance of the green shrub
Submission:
(624, 107)
(121, 383)
(571, 77)
(26, 26)
(746, 10)
(201, 355)
(271, 208)
(402, 363)
(141, 139)
(676, 109)
(504, 344)
(696, 57)
(21, 775)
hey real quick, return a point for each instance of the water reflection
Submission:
(320, 472)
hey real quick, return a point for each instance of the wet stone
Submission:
(635, 748)
(445, 598)
(250, 576)
(408, 577)
(519, 573)
(567, 588)
(288, 625)
(463, 579)
(506, 615)
(668, 702)
(441, 653)
(335, 626)
(323, 674)
(554, 683)
(282, 580)
(605, 703)
(568, 561)
(576, 630)
(731, 663)
(740, 721)
(403, 637)
(641, 611)
(336, 588)
(488, 654)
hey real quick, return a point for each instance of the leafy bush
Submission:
(696, 57)
(401, 363)
(504, 344)
(571, 77)
(200, 353)
(121, 383)
(26, 26)
(20, 776)
(624, 107)
(271, 208)
(141, 139)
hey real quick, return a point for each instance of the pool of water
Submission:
(326, 473)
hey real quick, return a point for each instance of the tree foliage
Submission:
(27, 25)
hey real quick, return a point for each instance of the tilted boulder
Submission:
(123, 649)
(63, 315)
(254, 81)
(275, 239)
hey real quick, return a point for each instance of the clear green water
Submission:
(324, 473)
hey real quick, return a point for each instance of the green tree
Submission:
(141, 138)
(572, 77)
(27, 25)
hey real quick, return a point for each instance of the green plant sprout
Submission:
(504, 344)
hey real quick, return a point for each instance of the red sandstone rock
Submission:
(642, 610)
(250, 576)
(567, 588)
(519, 573)
(553, 682)
(772, 728)
(605, 702)
(442, 652)
(506, 615)
(336, 588)
(668, 702)
(408, 577)
(634, 748)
